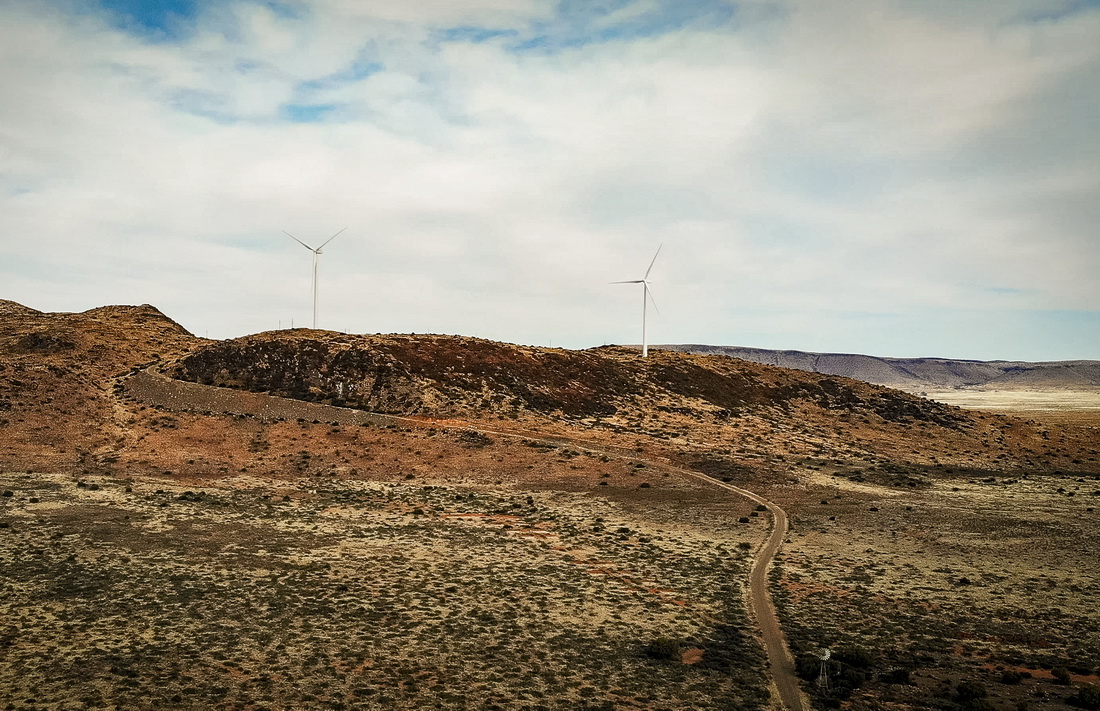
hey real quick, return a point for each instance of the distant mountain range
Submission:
(921, 374)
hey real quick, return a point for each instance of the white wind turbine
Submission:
(646, 296)
(316, 253)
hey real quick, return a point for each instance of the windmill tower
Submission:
(823, 673)
(316, 253)
(647, 297)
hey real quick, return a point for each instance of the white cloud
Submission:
(801, 166)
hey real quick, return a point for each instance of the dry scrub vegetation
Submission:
(253, 593)
(988, 582)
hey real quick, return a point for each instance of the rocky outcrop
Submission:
(444, 375)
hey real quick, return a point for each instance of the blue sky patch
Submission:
(579, 22)
(306, 113)
(166, 19)
(473, 34)
(358, 70)
(1068, 10)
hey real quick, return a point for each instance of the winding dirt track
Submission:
(167, 393)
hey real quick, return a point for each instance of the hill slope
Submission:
(724, 414)
(56, 370)
(66, 398)
(446, 375)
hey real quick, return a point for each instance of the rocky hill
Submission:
(917, 374)
(100, 339)
(69, 398)
(56, 373)
(448, 375)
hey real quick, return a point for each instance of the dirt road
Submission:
(780, 662)
(177, 395)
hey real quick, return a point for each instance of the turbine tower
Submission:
(316, 253)
(646, 296)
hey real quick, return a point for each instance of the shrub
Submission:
(854, 657)
(664, 648)
(807, 667)
(1061, 675)
(1011, 676)
(1087, 697)
(899, 675)
(968, 691)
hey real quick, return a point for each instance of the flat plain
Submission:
(244, 592)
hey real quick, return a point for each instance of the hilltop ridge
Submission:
(445, 375)
(918, 374)
(61, 376)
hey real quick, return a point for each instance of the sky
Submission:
(891, 177)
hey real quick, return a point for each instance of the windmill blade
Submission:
(647, 271)
(297, 240)
(651, 299)
(632, 281)
(330, 239)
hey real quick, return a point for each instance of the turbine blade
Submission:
(297, 240)
(647, 271)
(651, 299)
(331, 238)
(632, 281)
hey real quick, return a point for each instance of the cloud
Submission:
(886, 177)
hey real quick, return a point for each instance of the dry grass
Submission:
(1021, 400)
(961, 581)
(255, 593)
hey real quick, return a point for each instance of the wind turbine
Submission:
(316, 253)
(646, 296)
